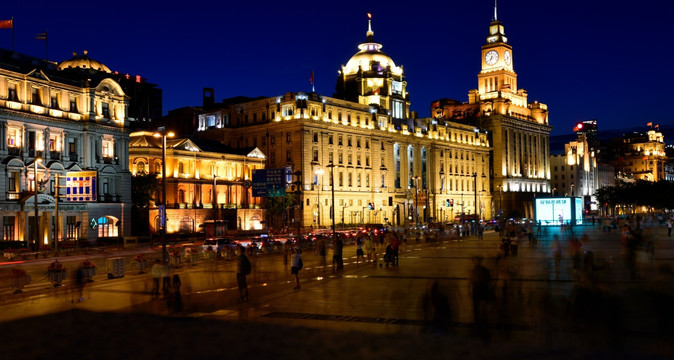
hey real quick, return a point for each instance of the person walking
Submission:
(480, 281)
(359, 250)
(395, 246)
(296, 265)
(337, 255)
(669, 227)
(156, 276)
(177, 297)
(81, 280)
(321, 251)
(243, 268)
(166, 279)
(369, 247)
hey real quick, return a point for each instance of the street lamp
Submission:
(500, 202)
(162, 133)
(477, 208)
(37, 223)
(319, 172)
(571, 190)
(416, 199)
(333, 212)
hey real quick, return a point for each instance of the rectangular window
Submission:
(273, 139)
(315, 137)
(108, 149)
(106, 110)
(71, 227)
(358, 160)
(315, 155)
(11, 92)
(54, 143)
(36, 96)
(264, 141)
(340, 158)
(289, 156)
(341, 179)
(13, 138)
(330, 157)
(73, 104)
(330, 140)
(350, 180)
(8, 228)
(348, 141)
(348, 159)
(54, 101)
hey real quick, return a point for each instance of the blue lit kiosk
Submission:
(559, 211)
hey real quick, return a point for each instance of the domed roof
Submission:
(82, 62)
(370, 51)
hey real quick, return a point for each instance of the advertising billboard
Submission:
(81, 186)
(557, 211)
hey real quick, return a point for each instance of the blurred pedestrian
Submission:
(369, 248)
(359, 250)
(166, 279)
(514, 244)
(81, 281)
(321, 251)
(480, 280)
(505, 246)
(669, 227)
(243, 268)
(177, 297)
(337, 255)
(395, 246)
(296, 265)
(156, 276)
(437, 315)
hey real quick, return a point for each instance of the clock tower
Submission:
(497, 62)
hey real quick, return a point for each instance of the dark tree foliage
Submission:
(659, 195)
(143, 188)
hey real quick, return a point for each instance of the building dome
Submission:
(370, 51)
(82, 62)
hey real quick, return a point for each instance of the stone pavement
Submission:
(532, 312)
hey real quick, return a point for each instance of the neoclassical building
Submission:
(387, 166)
(64, 120)
(519, 131)
(643, 156)
(205, 180)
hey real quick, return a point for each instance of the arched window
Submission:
(181, 168)
(107, 226)
(140, 167)
(157, 167)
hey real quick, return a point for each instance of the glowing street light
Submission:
(162, 133)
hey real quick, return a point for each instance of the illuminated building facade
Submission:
(519, 130)
(73, 121)
(387, 166)
(643, 156)
(194, 166)
(576, 172)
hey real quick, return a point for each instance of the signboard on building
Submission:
(81, 186)
(557, 211)
(269, 182)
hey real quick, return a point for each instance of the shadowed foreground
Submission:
(90, 335)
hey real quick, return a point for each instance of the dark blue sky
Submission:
(608, 60)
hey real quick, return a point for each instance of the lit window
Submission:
(108, 151)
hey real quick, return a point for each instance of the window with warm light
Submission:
(54, 142)
(108, 150)
(13, 137)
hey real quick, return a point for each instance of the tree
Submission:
(143, 188)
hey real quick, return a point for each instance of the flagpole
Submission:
(46, 44)
(12, 33)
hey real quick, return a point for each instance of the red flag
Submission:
(311, 79)
(7, 24)
(649, 124)
(41, 36)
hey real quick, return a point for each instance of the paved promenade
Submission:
(532, 310)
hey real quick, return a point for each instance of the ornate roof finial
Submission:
(370, 33)
(495, 7)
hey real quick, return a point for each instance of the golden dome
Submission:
(370, 51)
(82, 62)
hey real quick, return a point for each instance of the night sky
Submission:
(598, 59)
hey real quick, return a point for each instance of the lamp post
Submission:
(161, 133)
(477, 208)
(500, 202)
(416, 200)
(332, 209)
(571, 190)
(37, 222)
(214, 201)
(319, 172)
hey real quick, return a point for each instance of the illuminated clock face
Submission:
(491, 58)
(507, 57)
